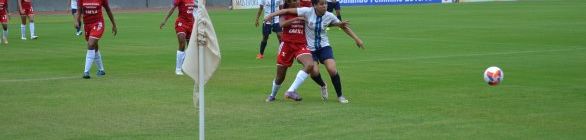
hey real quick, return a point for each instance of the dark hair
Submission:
(286, 5)
(314, 2)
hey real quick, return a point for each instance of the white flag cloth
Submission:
(202, 34)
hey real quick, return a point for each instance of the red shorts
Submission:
(94, 30)
(27, 12)
(183, 27)
(4, 18)
(290, 51)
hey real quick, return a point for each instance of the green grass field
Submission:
(420, 77)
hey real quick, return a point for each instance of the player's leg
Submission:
(337, 8)
(316, 76)
(31, 25)
(307, 62)
(98, 61)
(90, 56)
(283, 63)
(303, 55)
(181, 38)
(329, 8)
(266, 31)
(279, 78)
(4, 21)
(23, 27)
(330, 63)
(335, 77)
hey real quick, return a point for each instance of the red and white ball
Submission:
(493, 76)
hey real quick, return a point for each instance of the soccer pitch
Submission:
(420, 77)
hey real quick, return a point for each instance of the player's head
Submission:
(320, 6)
(291, 3)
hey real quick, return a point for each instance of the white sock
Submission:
(182, 54)
(89, 58)
(23, 30)
(32, 27)
(98, 60)
(5, 33)
(180, 58)
(301, 76)
(275, 89)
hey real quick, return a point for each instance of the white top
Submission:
(271, 6)
(73, 4)
(315, 26)
(329, 1)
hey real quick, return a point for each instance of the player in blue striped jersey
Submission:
(267, 7)
(317, 19)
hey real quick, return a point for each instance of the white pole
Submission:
(201, 94)
(201, 77)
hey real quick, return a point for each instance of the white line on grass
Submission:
(355, 61)
(433, 57)
(40, 79)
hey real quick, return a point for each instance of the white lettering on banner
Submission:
(354, 1)
(398, 1)
(245, 4)
(381, 1)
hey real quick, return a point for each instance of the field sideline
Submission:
(420, 77)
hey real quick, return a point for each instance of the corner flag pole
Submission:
(201, 93)
(201, 44)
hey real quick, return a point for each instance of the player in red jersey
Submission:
(25, 8)
(91, 11)
(183, 27)
(305, 3)
(294, 46)
(4, 20)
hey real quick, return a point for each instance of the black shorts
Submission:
(267, 28)
(322, 54)
(73, 11)
(333, 5)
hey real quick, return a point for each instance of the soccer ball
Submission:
(493, 76)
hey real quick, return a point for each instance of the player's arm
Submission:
(109, 11)
(349, 32)
(281, 12)
(168, 15)
(260, 8)
(285, 23)
(78, 15)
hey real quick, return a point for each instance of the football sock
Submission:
(263, 45)
(301, 76)
(180, 58)
(32, 28)
(318, 80)
(23, 30)
(337, 84)
(89, 58)
(275, 89)
(5, 33)
(339, 17)
(98, 60)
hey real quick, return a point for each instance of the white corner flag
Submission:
(202, 58)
